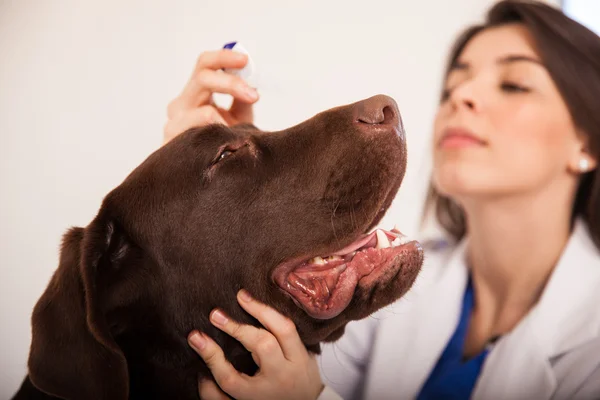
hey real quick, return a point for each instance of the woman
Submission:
(510, 308)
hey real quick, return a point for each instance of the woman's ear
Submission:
(583, 161)
(583, 164)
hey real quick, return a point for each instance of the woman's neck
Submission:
(513, 247)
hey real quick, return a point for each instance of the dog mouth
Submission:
(325, 285)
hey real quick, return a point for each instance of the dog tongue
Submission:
(317, 282)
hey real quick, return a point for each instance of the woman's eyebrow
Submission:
(508, 59)
(517, 57)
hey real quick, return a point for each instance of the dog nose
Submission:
(377, 110)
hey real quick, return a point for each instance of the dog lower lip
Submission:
(323, 285)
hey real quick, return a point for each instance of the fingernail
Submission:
(251, 93)
(218, 317)
(240, 56)
(197, 341)
(244, 295)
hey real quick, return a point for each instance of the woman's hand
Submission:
(195, 105)
(286, 370)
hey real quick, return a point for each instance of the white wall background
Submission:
(586, 12)
(84, 88)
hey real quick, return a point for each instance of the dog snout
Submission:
(377, 111)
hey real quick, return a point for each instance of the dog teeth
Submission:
(396, 229)
(317, 261)
(400, 240)
(322, 261)
(382, 240)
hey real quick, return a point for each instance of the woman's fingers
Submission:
(195, 105)
(200, 88)
(279, 377)
(200, 116)
(280, 326)
(207, 79)
(226, 376)
(210, 61)
(241, 111)
(218, 59)
(264, 347)
(210, 391)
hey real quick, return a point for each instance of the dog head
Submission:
(286, 215)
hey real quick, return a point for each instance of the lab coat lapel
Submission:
(517, 368)
(414, 331)
(520, 366)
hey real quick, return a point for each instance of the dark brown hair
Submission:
(571, 54)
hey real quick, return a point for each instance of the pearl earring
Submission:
(584, 165)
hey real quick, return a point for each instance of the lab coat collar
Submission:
(562, 317)
(566, 316)
(519, 367)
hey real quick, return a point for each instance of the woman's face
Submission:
(502, 127)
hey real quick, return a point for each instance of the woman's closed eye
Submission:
(511, 87)
(508, 87)
(445, 95)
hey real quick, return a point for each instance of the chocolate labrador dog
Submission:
(287, 215)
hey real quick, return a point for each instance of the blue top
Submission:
(453, 377)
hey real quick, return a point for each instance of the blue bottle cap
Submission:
(247, 73)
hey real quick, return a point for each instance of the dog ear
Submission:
(73, 354)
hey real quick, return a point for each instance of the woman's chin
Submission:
(452, 182)
(463, 186)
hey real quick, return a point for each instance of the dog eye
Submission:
(224, 154)
(227, 152)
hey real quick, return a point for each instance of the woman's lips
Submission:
(459, 138)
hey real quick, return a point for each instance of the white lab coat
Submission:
(553, 353)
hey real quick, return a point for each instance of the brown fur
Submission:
(181, 236)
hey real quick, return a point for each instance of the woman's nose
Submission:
(465, 96)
